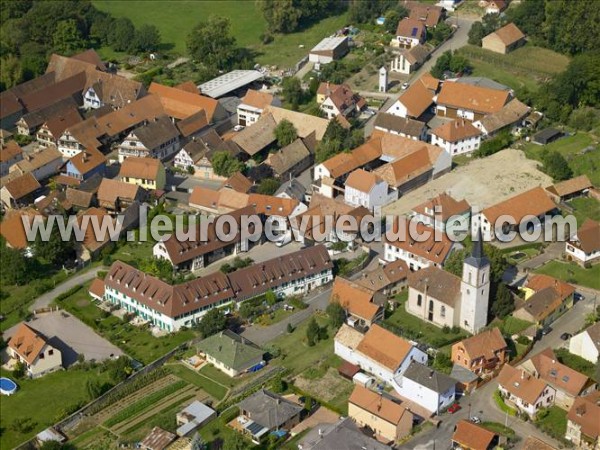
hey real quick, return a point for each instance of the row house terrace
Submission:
(155, 138)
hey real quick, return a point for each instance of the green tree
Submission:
(93, 388)
(556, 166)
(157, 267)
(336, 314)
(16, 269)
(225, 165)
(285, 133)
(392, 17)
(290, 328)
(291, 89)
(366, 11)
(270, 297)
(476, 33)
(101, 28)
(197, 442)
(312, 332)
(11, 71)
(211, 42)
(212, 322)
(147, 38)
(503, 303)
(282, 16)
(268, 186)
(67, 38)
(122, 34)
(55, 250)
(235, 441)
(18, 370)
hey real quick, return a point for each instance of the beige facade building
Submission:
(32, 349)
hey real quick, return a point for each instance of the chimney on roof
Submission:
(522, 374)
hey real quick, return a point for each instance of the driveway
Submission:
(71, 337)
(45, 299)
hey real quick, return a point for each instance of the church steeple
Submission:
(477, 258)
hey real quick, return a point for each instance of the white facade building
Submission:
(587, 343)
(367, 189)
(429, 389)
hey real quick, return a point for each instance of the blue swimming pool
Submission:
(7, 386)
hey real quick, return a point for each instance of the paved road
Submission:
(45, 299)
(260, 335)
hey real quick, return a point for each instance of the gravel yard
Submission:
(482, 182)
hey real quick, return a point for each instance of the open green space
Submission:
(524, 67)
(175, 20)
(411, 327)
(585, 208)
(211, 387)
(571, 147)
(137, 342)
(216, 375)
(129, 252)
(552, 421)
(43, 401)
(572, 273)
(511, 325)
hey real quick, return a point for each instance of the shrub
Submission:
(229, 414)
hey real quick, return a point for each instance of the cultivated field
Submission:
(482, 182)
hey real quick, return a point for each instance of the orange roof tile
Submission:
(484, 344)
(357, 300)
(377, 405)
(471, 436)
(443, 206)
(22, 186)
(97, 287)
(509, 34)
(384, 347)
(585, 413)
(456, 130)
(430, 249)
(557, 375)
(362, 181)
(418, 97)
(257, 99)
(145, 168)
(521, 384)
(12, 229)
(27, 342)
(181, 104)
(472, 98)
(533, 202)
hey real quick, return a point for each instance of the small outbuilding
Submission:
(504, 40)
(547, 136)
(329, 49)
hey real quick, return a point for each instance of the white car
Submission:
(285, 239)
(238, 128)
(405, 86)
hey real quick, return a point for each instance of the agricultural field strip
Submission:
(144, 403)
(153, 408)
(111, 410)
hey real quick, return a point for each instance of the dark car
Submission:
(546, 331)
(566, 336)
(455, 407)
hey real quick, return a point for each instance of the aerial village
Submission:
(306, 341)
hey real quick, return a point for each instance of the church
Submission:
(443, 299)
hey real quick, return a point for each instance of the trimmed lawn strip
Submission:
(217, 376)
(144, 403)
(502, 405)
(585, 208)
(553, 422)
(206, 384)
(511, 325)
(498, 428)
(573, 273)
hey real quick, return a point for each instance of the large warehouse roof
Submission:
(229, 82)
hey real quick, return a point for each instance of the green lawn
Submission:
(175, 19)
(44, 400)
(411, 327)
(584, 208)
(570, 147)
(525, 67)
(133, 251)
(216, 375)
(553, 421)
(511, 325)
(209, 386)
(135, 341)
(572, 273)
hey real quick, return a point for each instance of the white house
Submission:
(367, 189)
(417, 99)
(158, 138)
(444, 213)
(252, 106)
(378, 352)
(457, 137)
(587, 343)
(340, 100)
(402, 126)
(410, 33)
(407, 61)
(523, 391)
(430, 389)
(32, 349)
(584, 246)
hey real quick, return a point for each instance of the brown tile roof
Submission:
(471, 436)
(36, 160)
(533, 443)
(572, 186)
(377, 405)
(384, 347)
(232, 200)
(288, 157)
(87, 160)
(343, 97)
(363, 181)
(394, 147)
(97, 287)
(443, 206)
(510, 113)
(10, 151)
(27, 342)
(22, 186)
(90, 56)
(521, 384)
(410, 27)
(456, 130)
(273, 206)
(58, 124)
(110, 190)
(585, 413)
(355, 299)
(417, 54)
(419, 96)
(181, 104)
(158, 439)
(260, 135)
(11, 227)
(9, 104)
(193, 123)
(406, 169)
(438, 283)
(534, 201)
(326, 88)
(472, 98)
(305, 123)
(397, 124)
(344, 163)
(541, 304)
(66, 88)
(37, 118)
(383, 276)
(188, 86)
(594, 334)
(238, 182)
(144, 168)
(557, 375)
(540, 281)
(156, 132)
(257, 99)
(87, 133)
(146, 108)
(91, 240)
(79, 198)
(204, 197)
(509, 34)
(429, 81)
(588, 236)
(113, 89)
(429, 14)
(484, 344)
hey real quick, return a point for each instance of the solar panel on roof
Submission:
(414, 32)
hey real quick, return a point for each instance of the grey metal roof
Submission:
(462, 374)
(268, 409)
(483, 82)
(343, 435)
(229, 82)
(429, 378)
(293, 188)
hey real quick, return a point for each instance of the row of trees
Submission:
(31, 30)
(286, 16)
(338, 139)
(453, 62)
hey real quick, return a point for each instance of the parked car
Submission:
(566, 336)
(238, 128)
(578, 296)
(405, 86)
(475, 419)
(546, 331)
(454, 408)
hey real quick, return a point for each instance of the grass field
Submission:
(525, 67)
(570, 147)
(211, 387)
(44, 401)
(175, 19)
(553, 421)
(572, 273)
(584, 208)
